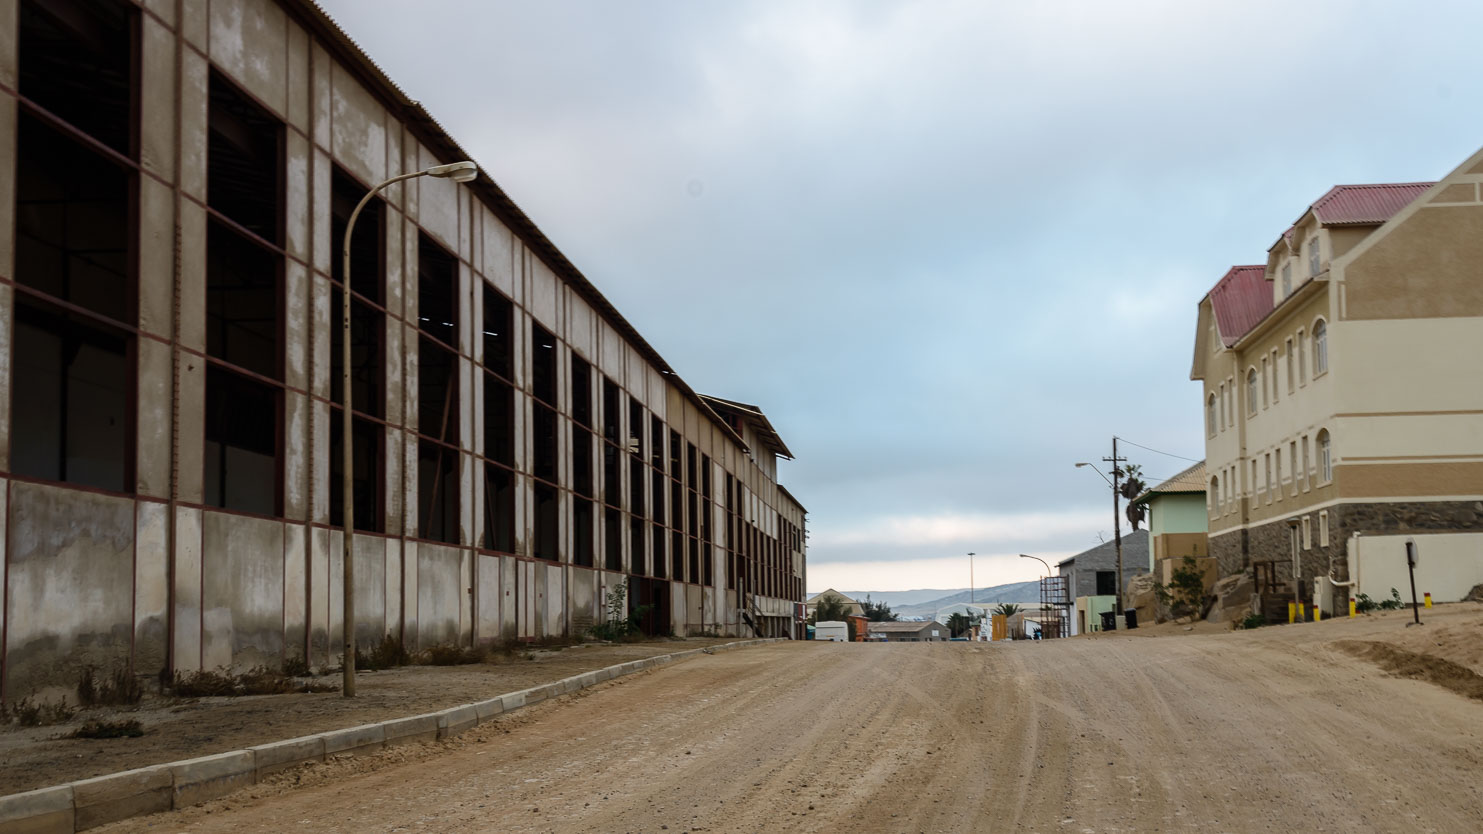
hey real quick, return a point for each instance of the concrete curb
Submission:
(88, 803)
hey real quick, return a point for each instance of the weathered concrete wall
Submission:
(70, 556)
(440, 591)
(242, 591)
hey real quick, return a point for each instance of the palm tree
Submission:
(1007, 609)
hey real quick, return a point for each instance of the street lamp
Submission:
(458, 172)
(1117, 527)
(1038, 559)
(970, 577)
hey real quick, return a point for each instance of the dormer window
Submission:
(1313, 256)
(1286, 280)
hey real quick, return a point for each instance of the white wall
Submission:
(1450, 565)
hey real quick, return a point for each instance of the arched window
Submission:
(1251, 392)
(1210, 415)
(1325, 457)
(1320, 347)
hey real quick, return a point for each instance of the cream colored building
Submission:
(1342, 389)
(175, 179)
(850, 605)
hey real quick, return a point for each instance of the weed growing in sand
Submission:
(120, 688)
(30, 713)
(129, 728)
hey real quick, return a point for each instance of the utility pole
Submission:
(1117, 527)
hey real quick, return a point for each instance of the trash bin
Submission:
(1109, 621)
(1131, 617)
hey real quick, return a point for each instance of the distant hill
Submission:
(925, 602)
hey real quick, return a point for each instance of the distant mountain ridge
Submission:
(925, 602)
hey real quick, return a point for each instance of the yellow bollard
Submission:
(1353, 611)
(1302, 612)
(1292, 612)
(1317, 613)
(1428, 600)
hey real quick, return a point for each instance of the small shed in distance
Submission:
(930, 631)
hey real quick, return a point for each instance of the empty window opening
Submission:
(72, 398)
(437, 491)
(611, 396)
(636, 488)
(694, 553)
(76, 62)
(543, 438)
(72, 222)
(636, 429)
(244, 162)
(656, 442)
(581, 391)
(543, 365)
(437, 291)
(367, 357)
(677, 555)
(437, 391)
(499, 420)
(636, 547)
(545, 535)
(499, 325)
(613, 538)
(582, 480)
(694, 464)
(660, 561)
(499, 508)
(367, 243)
(583, 530)
(675, 450)
(243, 302)
(1106, 583)
(657, 481)
(367, 439)
(242, 441)
(612, 470)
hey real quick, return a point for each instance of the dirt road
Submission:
(1272, 730)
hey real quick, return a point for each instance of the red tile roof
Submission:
(1240, 299)
(1366, 205)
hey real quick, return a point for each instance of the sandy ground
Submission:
(1275, 729)
(181, 729)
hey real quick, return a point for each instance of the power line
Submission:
(1158, 451)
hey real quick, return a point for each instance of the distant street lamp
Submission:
(970, 577)
(1117, 527)
(458, 172)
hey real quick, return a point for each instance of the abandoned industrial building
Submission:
(180, 177)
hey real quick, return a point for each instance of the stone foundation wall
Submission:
(1236, 550)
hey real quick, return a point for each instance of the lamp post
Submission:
(1038, 559)
(1117, 527)
(458, 172)
(970, 577)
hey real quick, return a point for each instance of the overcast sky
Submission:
(950, 248)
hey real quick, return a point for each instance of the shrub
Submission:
(388, 654)
(621, 624)
(29, 713)
(1253, 621)
(259, 680)
(119, 688)
(296, 667)
(1364, 605)
(109, 729)
(453, 655)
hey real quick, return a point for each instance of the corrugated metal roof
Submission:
(1192, 479)
(446, 149)
(1240, 299)
(1366, 205)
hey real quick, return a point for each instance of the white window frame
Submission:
(1277, 469)
(1325, 457)
(1307, 475)
(1292, 377)
(1267, 481)
(1314, 259)
(1320, 348)
(1302, 357)
(1287, 279)
(1323, 528)
(1251, 391)
(1274, 376)
(1307, 533)
(1210, 414)
(1292, 465)
(1266, 398)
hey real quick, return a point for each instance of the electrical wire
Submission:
(1160, 451)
